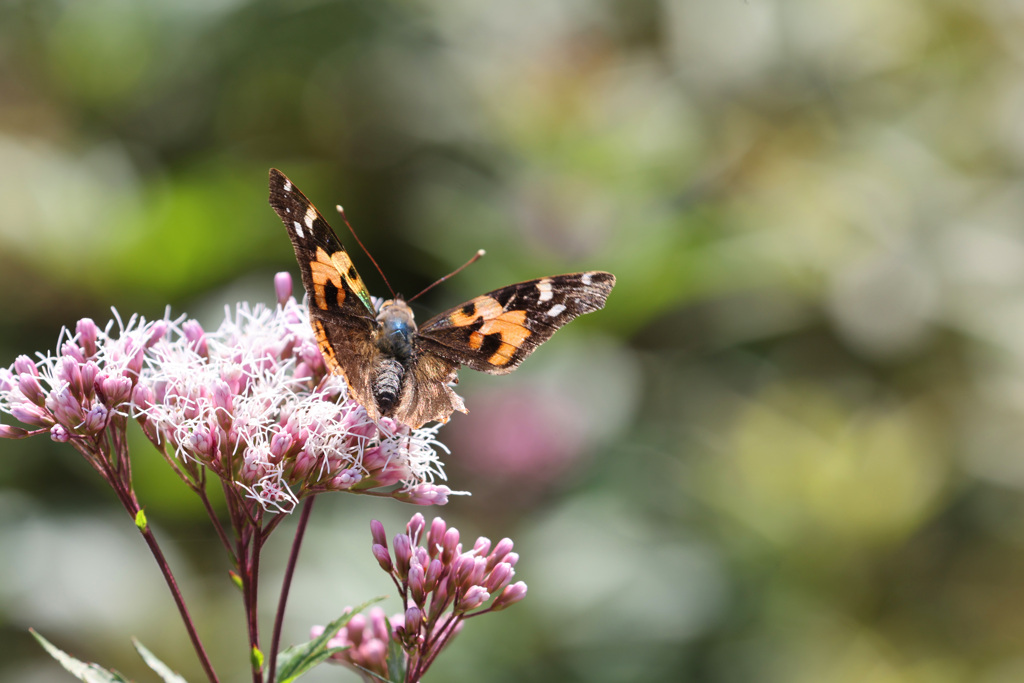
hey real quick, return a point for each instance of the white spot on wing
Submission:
(287, 186)
(586, 278)
(310, 216)
(544, 287)
(298, 229)
(556, 310)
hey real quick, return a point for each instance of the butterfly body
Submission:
(395, 368)
(394, 340)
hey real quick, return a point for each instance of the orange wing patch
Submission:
(344, 265)
(324, 270)
(507, 325)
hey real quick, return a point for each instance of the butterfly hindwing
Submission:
(427, 395)
(494, 332)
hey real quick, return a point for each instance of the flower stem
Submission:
(117, 472)
(289, 572)
(165, 569)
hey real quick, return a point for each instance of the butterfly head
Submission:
(396, 328)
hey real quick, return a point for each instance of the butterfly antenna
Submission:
(365, 250)
(476, 257)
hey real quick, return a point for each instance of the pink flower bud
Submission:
(142, 396)
(503, 547)
(435, 535)
(403, 553)
(415, 527)
(449, 544)
(462, 570)
(29, 386)
(424, 494)
(86, 334)
(304, 371)
(479, 570)
(65, 407)
(199, 443)
(136, 357)
(499, 577)
(473, 598)
(115, 390)
(345, 479)
(89, 372)
(374, 654)
(355, 628)
(223, 401)
(374, 459)
(96, 418)
(9, 432)
(283, 287)
(482, 546)
(390, 475)
(304, 463)
(157, 332)
(280, 443)
(73, 351)
(413, 621)
(435, 570)
(60, 434)
(31, 414)
(509, 596)
(383, 557)
(24, 365)
(415, 581)
(70, 371)
(377, 533)
(195, 334)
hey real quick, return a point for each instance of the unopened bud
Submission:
(283, 287)
(510, 596)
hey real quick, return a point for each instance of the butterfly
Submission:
(395, 368)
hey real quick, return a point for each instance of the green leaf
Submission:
(140, 519)
(156, 665)
(396, 659)
(256, 659)
(83, 671)
(298, 659)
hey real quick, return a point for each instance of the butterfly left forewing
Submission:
(340, 309)
(328, 274)
(494, 332)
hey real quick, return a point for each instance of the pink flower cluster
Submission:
(77, 393)
(252, 402)
(441, 585)
(366, 639)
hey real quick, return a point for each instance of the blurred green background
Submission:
(789, 449)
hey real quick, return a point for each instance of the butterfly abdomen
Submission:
(387, 383)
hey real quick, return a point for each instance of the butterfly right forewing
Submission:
(495, 332)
